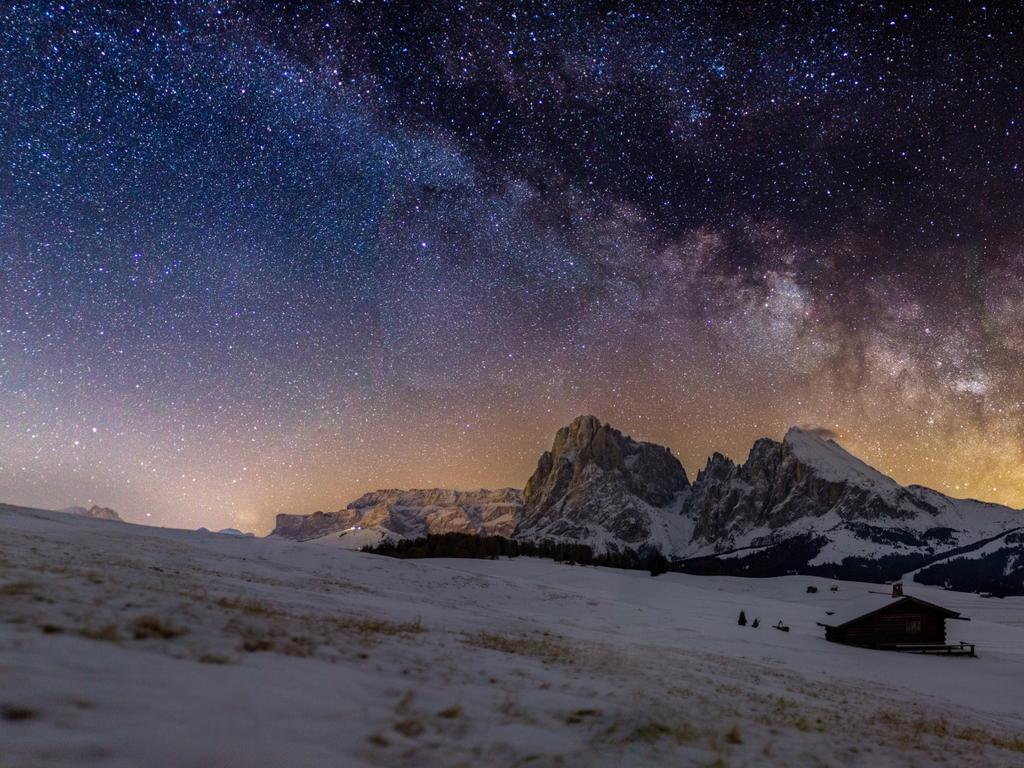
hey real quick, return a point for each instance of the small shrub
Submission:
(15, 712)
(107, 633)
(213, 658)
(17, 588)
(546, 648)
(733, 735)
(248, 606)
(146, 627)
(257, 644)
(659, 565)
(368, 627)
(650, 732)
(300, 646)
(410, 728)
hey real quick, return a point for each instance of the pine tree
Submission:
(659, 565)
(743, 619)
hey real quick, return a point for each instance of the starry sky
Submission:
(260, 256)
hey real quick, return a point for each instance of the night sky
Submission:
(261, 257)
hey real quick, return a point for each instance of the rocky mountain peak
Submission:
(718, 466)
(831, 462)
(586, 447)
(596, 482)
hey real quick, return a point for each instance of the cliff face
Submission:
(597, 484)
(781, 482)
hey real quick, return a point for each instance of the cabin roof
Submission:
(873, 603)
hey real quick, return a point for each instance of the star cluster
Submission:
(261, 257)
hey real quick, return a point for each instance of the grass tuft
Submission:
(409, 728)
(249, 606)
(214, 658)
(15, 713)
(17, 588)
(574, 718)
(107, 633)
(545, 647)
(146, 627)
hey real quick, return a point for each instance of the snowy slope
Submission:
(123, 645)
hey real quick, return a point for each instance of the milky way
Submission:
(263, 257)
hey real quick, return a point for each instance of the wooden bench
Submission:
(960, 649)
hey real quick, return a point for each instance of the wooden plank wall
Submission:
(891, 626)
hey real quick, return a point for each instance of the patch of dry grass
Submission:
(1013, 743)
(574, 718)
(918, 727)
(654, 730)
(214, 658)
(146, 627)
(249, 606)
(107, 633)
(257, 644)
(375, 627)
(410, 728)
(545, 647)
(17, 588)
(16, 712)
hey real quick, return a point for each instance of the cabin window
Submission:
(913, 626)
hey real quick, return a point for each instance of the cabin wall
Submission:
(895, 625)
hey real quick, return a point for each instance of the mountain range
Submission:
(95, 511)
(800, 505)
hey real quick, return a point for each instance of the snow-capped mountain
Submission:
(804, 505)
(800, 505)
(96, 512)
(399, 514)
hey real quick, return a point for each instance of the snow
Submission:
(360, 660)
(834, 463)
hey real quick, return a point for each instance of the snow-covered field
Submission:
(123, 645)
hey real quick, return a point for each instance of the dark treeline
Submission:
(789, 557)
(491, 547)
(992, 573)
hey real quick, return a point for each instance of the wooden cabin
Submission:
(897, 622)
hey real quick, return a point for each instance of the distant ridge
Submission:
(95, 512)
